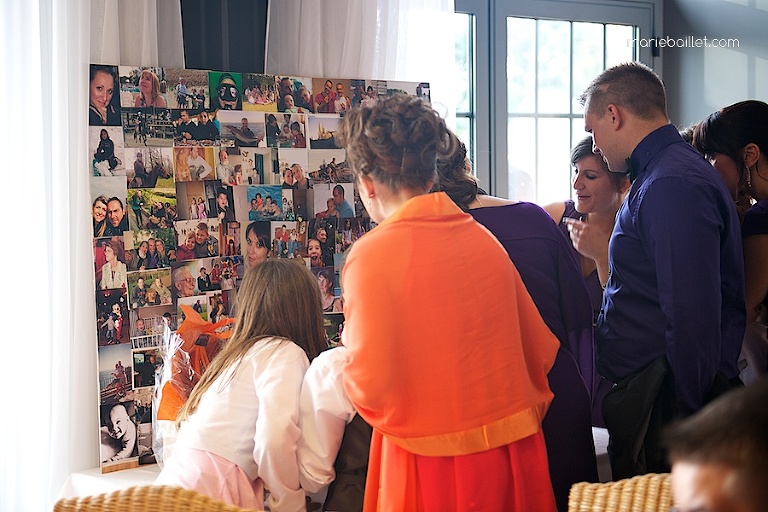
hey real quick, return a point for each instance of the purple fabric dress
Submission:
(549, 269)
(601, 385)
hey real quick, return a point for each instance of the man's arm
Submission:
(681, 225)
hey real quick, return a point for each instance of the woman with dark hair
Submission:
(141, 261)
(735, 141)
(548, 267)
(588, 218)
(460, 426)
(257, 243)
(106, 150)
(330, 303)
(103, 107)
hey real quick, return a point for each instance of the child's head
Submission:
(118, 421)
(276, 298)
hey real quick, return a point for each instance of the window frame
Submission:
(490, 63)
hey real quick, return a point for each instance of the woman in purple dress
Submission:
(548, 268)
(588, 219)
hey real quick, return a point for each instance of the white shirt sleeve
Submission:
(207, 169)
(324, 412)
(277, 430)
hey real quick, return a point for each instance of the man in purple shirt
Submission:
(672, 320)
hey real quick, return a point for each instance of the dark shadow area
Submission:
(224, 34)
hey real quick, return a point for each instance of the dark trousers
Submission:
(636, 412)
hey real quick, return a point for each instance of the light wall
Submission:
(700, 81)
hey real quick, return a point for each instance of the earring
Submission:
(748, 177)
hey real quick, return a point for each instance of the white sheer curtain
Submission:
(406, 40)
(49, 425)
(137, 32)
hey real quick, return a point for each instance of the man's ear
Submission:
(614, 114)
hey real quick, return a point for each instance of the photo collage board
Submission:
(195, 176)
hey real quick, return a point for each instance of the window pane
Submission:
(588, 58)
(521, 158)
(464, 47)
(618, 44)
(554, 64)
(521, 65)
(463, 132)
(553, 181)
(577, 131)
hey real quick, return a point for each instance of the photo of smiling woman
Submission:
(104, 104)
(257, 243)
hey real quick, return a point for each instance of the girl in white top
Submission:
(239, 429)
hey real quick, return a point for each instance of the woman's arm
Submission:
(592, 243)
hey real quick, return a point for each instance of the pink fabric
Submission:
(213, 476)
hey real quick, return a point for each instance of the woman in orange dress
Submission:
(447, 354)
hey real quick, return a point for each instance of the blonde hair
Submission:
(277, 298)
(155, 87)
(182, 164)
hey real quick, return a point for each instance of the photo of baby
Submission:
(118, 433)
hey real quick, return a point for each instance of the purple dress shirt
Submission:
(676, 278)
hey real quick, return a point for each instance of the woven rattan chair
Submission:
(146, 498)
(645, 493)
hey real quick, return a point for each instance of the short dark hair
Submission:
(631, 85)
(583, 149)
(115, 198)
(730, 431)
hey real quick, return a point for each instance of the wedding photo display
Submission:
(196, 176)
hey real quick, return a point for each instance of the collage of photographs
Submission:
(196, 176)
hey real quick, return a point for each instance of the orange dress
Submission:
(448, 362)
